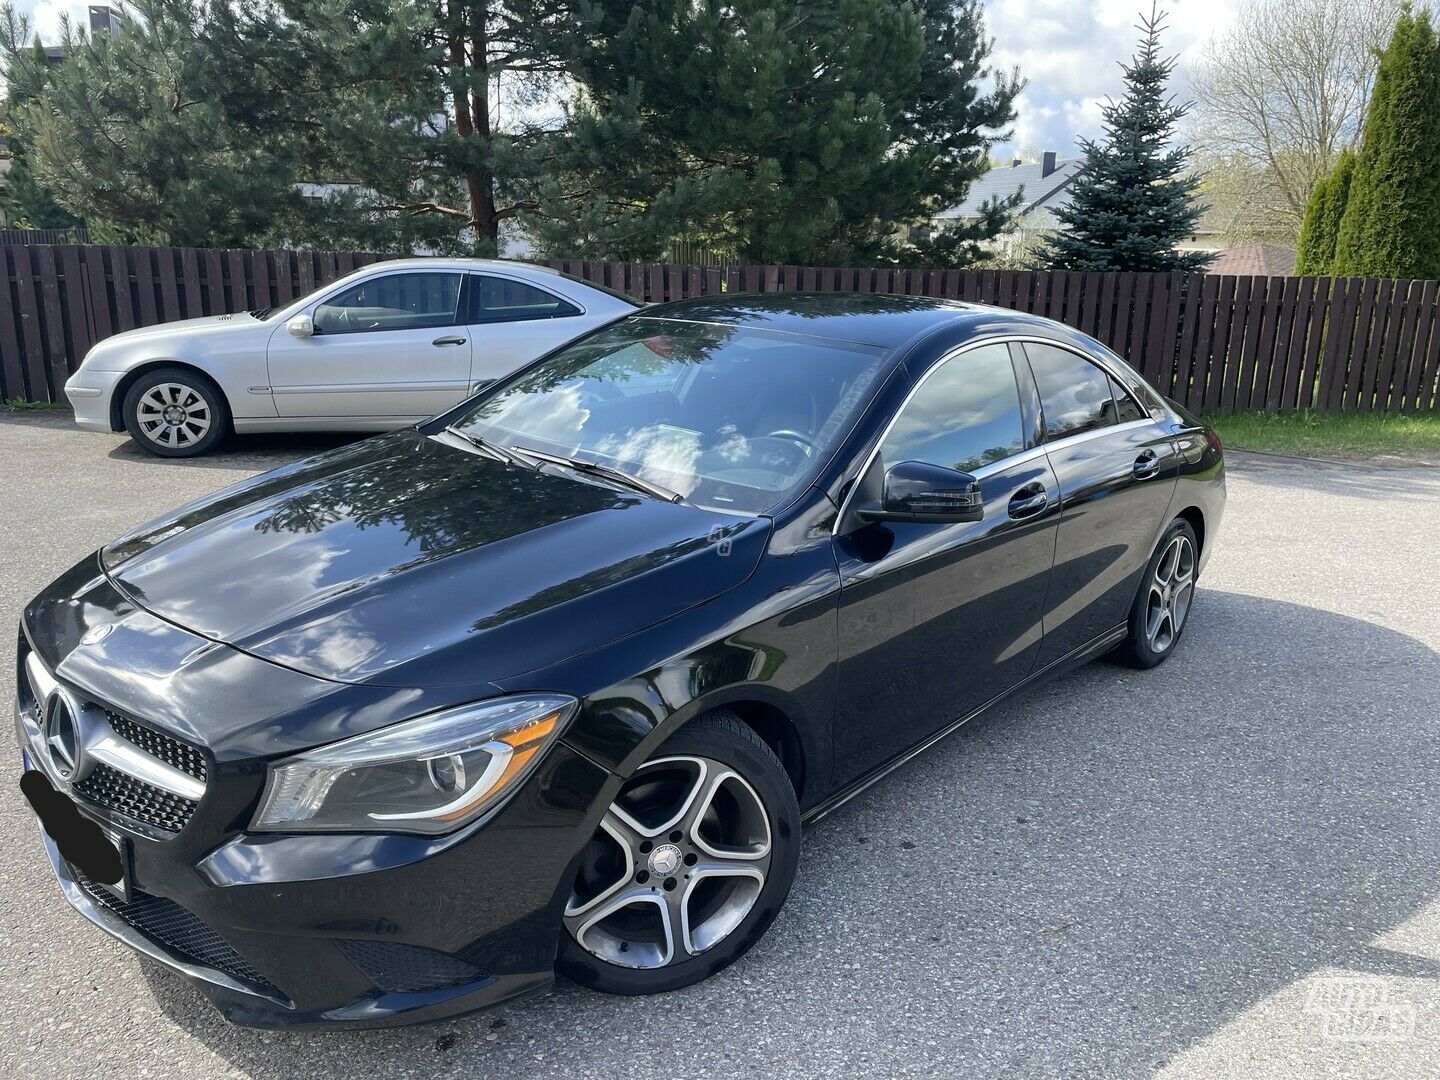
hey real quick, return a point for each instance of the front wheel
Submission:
(1167, 590)
(690, 865)
(175, 412)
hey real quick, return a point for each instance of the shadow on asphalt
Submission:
(1096, 876)
(1400, 481)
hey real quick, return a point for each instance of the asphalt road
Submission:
(1227, 867)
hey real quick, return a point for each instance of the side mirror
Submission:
(916, 491)
(301, 326)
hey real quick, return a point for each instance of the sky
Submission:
(1067, 50)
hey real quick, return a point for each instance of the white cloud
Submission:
(1069, 54)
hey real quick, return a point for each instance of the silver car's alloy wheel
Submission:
(173, 415)
(1171, 589)
(679, 861)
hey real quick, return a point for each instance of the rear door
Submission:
(512, 322)
(938, 619)
(1116, 469)
(393, 346)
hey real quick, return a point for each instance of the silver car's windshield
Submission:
(730, 417)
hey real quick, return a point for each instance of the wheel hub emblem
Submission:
(174, 414)
(665, 860)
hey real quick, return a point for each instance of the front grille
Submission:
(177, 754)
(398, 968)
(176, 930)
(134, 798)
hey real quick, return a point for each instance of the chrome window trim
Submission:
(1098, 362)
(1014, 459)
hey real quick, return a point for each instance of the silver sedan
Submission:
(387, 346)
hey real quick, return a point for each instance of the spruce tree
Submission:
(779, 130)
(1391, 224)
(1133, 200)
(1321, 227)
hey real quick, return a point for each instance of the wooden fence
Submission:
(1213, 343)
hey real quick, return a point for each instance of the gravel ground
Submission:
(1223, 868)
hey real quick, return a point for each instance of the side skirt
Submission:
(1089, 651)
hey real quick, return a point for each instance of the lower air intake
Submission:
(397, 968)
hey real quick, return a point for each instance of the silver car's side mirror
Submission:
(301, 326)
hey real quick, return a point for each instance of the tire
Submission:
(737, 821)
(176, 412)
(1162, 606)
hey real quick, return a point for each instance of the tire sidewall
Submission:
(202, 385)
(1140, 648)
(754, 761)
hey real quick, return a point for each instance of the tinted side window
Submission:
(503, 300)
(965, 415)
(1074, 393)
(1126, 408)
(392, 302)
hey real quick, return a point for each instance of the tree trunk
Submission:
(472, 121)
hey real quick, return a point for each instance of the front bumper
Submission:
(90, 394)
(303, 931)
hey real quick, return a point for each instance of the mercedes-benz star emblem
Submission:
(62, 738)
(97, 634)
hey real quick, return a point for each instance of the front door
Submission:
(938, 619)
(392, 346)
(1117, 470)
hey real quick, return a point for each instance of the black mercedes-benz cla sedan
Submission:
(553, 681)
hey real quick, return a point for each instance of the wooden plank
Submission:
(284, 277)
(1119, 339)
(1241, 321)
(305, 272)
(237, 297)
(92, 263)
(169, 284)
(1295, 325)
(1427, 326)
(1074, 295)
(1192, 389)
(1400, 325)
(1427, 395)
(191, 295)
(1160, 341)
(53, 313)
(12, 370)
(122, 289)
(1220, 342)
(1339, 333)
(214, 282)
(261, 276)
(75, 295)
(1188, 301)
(32, 335)
(1305, 385)
(1369, 336)
(1253, 390)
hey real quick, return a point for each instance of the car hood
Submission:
(117, 347)
(406, 561)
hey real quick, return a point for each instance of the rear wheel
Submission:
(1157, 618)
(690, 865)
(176, 412)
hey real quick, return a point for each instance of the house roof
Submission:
(1248, 259)
(1039, 191)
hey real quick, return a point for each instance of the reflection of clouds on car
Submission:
(665, 454)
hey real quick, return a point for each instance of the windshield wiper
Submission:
(261, 313)
(495, 450)
(608, 472)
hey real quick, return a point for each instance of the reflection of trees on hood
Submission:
(441, 504)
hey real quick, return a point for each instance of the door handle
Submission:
(1147, 465)
(454, 340)
(1028, 501)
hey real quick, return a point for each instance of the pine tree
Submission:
(1132, 200)
(1321, 227)
(1391, 224)
(779, 130)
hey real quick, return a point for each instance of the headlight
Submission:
(429, 775)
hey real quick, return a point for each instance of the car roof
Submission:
(885, 320)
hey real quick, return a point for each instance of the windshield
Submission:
(731, 417)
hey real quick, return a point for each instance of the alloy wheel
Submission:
(173, 415)
(679, 861)
(1171, 589)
